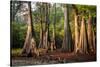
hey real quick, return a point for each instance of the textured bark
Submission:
(44, 29)
(90, 34)
(30, 43)
(41, 30)
(83, 38)
(94, 42)
(41, 36)
(76, 34)
(76, 28)
(67, 42)
(53, 46)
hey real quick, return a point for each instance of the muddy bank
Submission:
(52, 58)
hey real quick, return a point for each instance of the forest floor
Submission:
(55, 57)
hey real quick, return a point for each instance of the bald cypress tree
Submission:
(67, 42)
(53, 46)
(75, 10)
(83, 42)
(90, 34)
(29, 44)
(41, 27)
(45, 32)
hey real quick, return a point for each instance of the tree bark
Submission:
(67, 42)
(83, 38)
(29, 44)
(45, 30)
(53, 46)
(76, 28)
(76, 34)
(41, 29)
(94, 42)
(90, 34)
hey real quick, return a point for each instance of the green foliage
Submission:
(86, 10)
(18, 34)
(16, 52)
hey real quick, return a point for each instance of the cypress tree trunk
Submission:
(94, 42)
(90, 34)
(83, 38)
(76, 28)
(76, 34)
(45, 31)
(41, 29)
(53, 46)
(41, 36)
(29, 44)
(67, 42)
